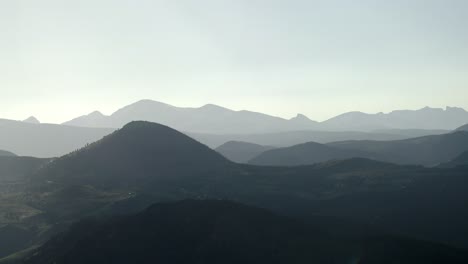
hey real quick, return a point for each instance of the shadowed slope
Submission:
(45, 140)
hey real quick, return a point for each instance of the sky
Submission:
(60, 58)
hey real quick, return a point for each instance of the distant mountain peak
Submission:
(214, 107)
(31, 120)
(215, 119)
(300, 117)
(96, 114)
(6, 153)
(150, 102)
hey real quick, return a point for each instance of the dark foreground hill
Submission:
(138, 155)
(427, 151)
(214, 231)
(144, 163)
(241, 152)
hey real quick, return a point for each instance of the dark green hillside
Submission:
(144, 163)
(137, 156)
(214, 231)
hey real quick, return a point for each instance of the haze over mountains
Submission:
(45, 140)
(427, 151)
(143, 163)
(461, 160)
(219, 120)
(241, 152)
(214, 126)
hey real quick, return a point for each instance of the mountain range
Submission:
(45, 140)
(51, 140)
(290, 138)
(144, 163)
(427, 151)
(219, 120)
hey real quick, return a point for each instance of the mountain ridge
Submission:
(4, 153)
(241, 152)
(216, 119)
(426, 151)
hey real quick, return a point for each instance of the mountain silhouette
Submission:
(136, 155)
(463, 128)
(31, 120)
(6, 153)
(461, 160)
(206, 119)
(291, 138)
(241, 152)
(94, 119)
(305, 154)
(219, 120)
(427, 151)
(46, 140)
(144, 163)
(214, 231)
(425, 118)
(49, 140)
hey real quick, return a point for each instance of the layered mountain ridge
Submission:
(219, 120)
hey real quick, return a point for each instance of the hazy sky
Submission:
(60, 59)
